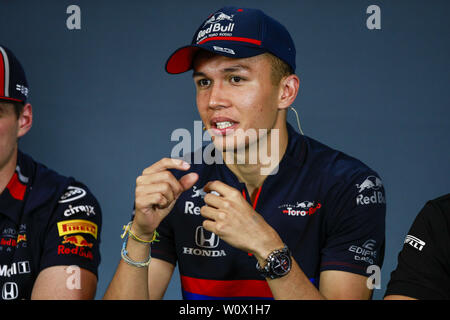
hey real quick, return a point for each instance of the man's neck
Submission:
(254, 174)
(7, 170)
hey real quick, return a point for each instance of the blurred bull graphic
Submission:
(77, 240)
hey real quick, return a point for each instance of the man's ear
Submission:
(289, 87)
(25, 120)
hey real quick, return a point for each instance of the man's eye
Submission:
(203, 82)
(236, 79)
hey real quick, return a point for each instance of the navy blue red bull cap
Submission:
(13, 83)
(237, 33)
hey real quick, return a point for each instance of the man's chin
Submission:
(230, 147)
(230, 144)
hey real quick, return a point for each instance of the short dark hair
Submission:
(280, 69)
(17, 106)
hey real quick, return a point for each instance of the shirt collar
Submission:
(13, 196)
(293, 159)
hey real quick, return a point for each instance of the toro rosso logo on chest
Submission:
(305, 208)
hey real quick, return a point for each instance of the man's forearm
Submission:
(294, 286)
(130, 282)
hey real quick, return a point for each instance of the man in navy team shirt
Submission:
(49, 224)
(308, 226)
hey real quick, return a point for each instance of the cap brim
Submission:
(181, 60)
(8, 99)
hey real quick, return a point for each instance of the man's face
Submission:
(9, 132)
(235, 94)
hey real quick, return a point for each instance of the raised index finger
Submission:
(167, 163)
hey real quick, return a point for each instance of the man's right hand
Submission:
(156, 193)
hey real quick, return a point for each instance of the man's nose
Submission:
(218, 97)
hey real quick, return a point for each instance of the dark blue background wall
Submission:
(104, 107)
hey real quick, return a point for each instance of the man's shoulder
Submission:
(47, 185)
(334, 163)
(442, 203)
(436, 214)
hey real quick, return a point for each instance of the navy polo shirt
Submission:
(328, 207)
(45, 220)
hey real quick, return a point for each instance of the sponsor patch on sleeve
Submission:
(77, 226)
(72, 193)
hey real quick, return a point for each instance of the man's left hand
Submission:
(233, 219)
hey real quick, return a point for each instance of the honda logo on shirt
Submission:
(10, 291)
(206, 239)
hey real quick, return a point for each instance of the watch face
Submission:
(281, 264)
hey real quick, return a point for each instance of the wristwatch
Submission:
(278, 264)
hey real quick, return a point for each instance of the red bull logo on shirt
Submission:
(21, 238)
(77, 240)
(80, 244)
(370, 183)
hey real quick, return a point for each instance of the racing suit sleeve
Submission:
(73, 233)
(355, 225)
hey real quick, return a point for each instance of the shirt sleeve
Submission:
(73, 233)
(164, 249)
(355, 226)
(423, 266)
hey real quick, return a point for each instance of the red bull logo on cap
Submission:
(215, 30)
(218, 24)
(219, 16)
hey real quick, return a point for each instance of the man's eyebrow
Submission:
(225, 70)
(236, 68)
(198, 74)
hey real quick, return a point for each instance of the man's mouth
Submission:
(222, 125)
